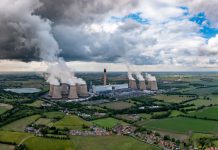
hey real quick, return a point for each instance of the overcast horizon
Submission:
(148, 35)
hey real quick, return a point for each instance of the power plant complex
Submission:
(67, 86)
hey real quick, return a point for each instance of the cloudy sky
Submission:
(153, 35)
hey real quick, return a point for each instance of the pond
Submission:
(23, 90)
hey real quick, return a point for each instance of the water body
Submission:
(23, 90)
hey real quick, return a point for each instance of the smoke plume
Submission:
(149, 77)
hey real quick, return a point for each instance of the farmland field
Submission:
(211, 113)
(15, 137)
(71, 122)
(43, 121)
(19, 125)
(203, 91)
(117, 105)
(182, 125)
(52, 115)
(36, 104)
(6, 147)
(110, 143)
(203, 102)
(172, 98)
(4, 108)
(108, 122)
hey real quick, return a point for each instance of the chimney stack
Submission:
(73, 92)
(132, 84)
(56, 92)
(105, 76)
(64, 89)
(142, 85)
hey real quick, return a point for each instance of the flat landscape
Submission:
(4, 108)
(117, 105)
(108, 122)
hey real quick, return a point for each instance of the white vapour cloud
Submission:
(139, 76)
(149, 77)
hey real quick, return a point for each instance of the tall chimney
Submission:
(56, 92)
(132, 84)
(73, 92)
(105, 77)
(51, 90)
(142, 85)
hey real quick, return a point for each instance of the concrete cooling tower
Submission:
(73, 92)
(56, 92)
(152, 85)
(132, 84)
(142, 85)
(83, 90)
(51, 90)
(64, 89)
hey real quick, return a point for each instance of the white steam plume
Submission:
(139, 76)
(149, 77)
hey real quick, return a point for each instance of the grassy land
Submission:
(6, 147)
(211, 113)
(71, 122)
(182, 125)
(5, 107)
(172, 98)
(15, 137)
(20, 124)
(38, 143)
(216, 143)
(203, 102)
(43, 121)
(36, 104)
(175, 113)
(110, 143)
(52, 115)
(203, 91)
(117, 105)
(108, 122)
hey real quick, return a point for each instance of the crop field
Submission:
(117, 105)
(210, 113)
(175, 113)
(15, 137)
(38, 143)
(71, 122)
(19, 125)
(6, 147)
(203, 102)
(108, 122)
(203, 91)
(5, 107)
(36, 104)
(53, 115)
(182, 125)
(43, 121)
(172, 98)
(110, 143)
(216, 143)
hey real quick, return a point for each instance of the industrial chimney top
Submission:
(105, 70)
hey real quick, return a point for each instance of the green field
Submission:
(52, 115)
(43, 121)
(108, 122)
(203, 91)
(203, 102)
(6, 147)
(182, 125)
(172, 98)
(76, 142)
(216, 143)
(36, 104)
(110, 143)
(117, 105)
(4, 108)
(71, 122)
(210, 113)
(175, 113)
(20, 124)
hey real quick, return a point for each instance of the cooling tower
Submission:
(73, 92)
(56, 92)
(152, 85)
(51, 90)
(64, 89)
(142, 85)
(132, 84)
(83, 92)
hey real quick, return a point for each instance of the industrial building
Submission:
(108, 88)
(68, 91)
